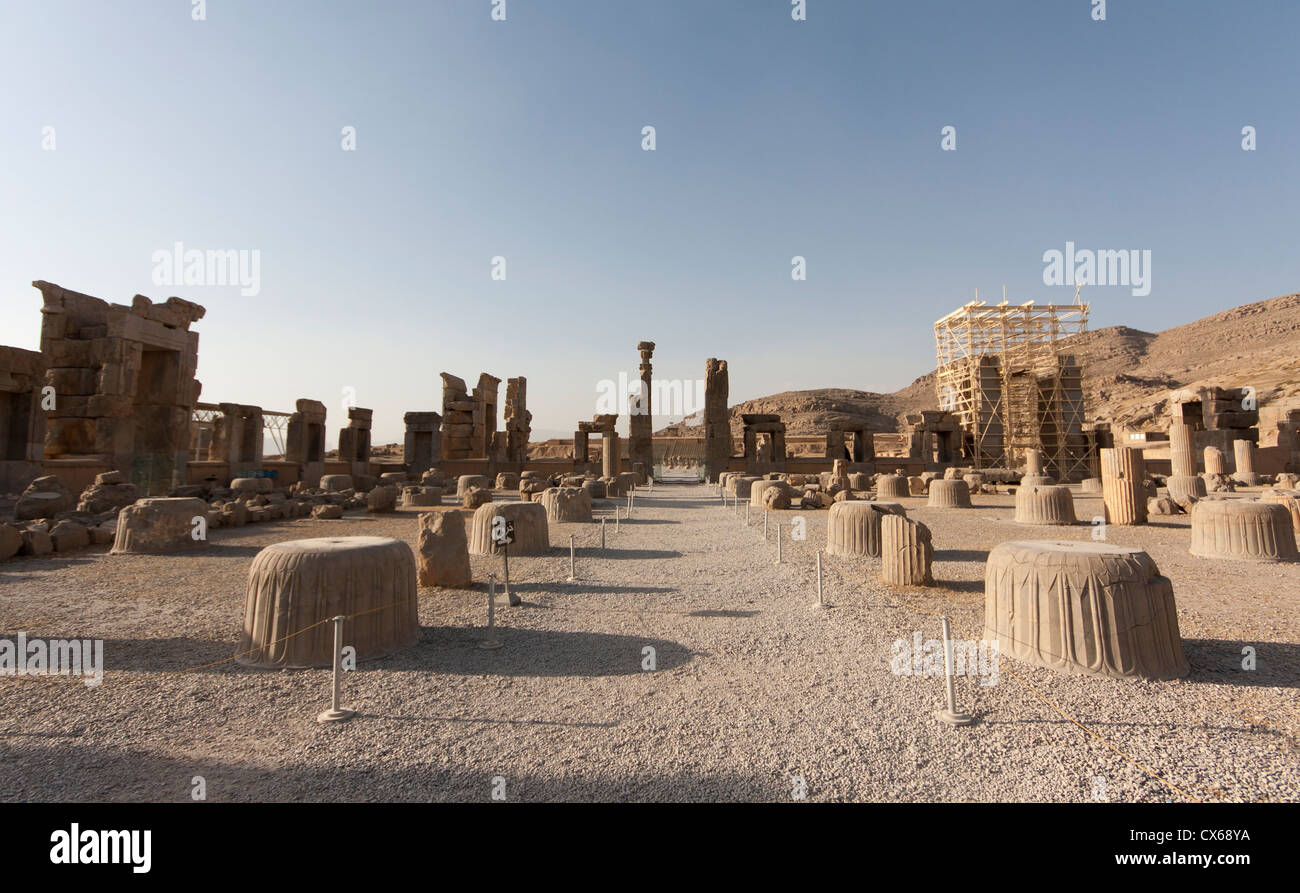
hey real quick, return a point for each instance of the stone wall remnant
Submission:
(124, 383)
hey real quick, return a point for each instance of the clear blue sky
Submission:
(522, 139)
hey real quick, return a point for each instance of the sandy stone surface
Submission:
(753, 686)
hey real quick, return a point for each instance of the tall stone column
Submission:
(1122, 473)
(1184, 485)
(1244, 452)
(609, 459)
(640, 426)
(717, 427)
(580, 447)
(1182, 449)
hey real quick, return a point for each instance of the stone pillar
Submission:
(457, 417)
(305, 441)
(1034, 462)
(422, 447)
(1244, 453)
(483, 433)
(354, 441)
(835, 444)
(1122, 473)
(610, 463)
(717, 427)
(581, 448)
(640, 425)
(778, 450)
(1214, 463)
(22, 420)
(1182, 449)
(518, 420)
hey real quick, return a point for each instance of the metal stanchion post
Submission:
(778, 542)
(514, 600)
(602, 533)
(950, 715)
(491, 641)
(573, 573)
(337, 713)
(820, 602)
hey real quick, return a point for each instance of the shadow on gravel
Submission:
(961, 555)
(637, 522)
(720, 613)
(441, 650)
(616, 553)
(582, 587)
(1218, 662)
(87, 774)
(961, 585)
(529, 652)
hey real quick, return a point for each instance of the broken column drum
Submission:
(566, 504)
(1051, 504)
(444, 550)
(301, 584)
(156, 526)
(906, 552)
(1083, 607)
(1122, 473)
(1237, 529)
(532, 535)
(949, 495)
(891, 486)
(854, 528)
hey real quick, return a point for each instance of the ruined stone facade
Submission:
(237, 438)
(305, 441)
(764, 437)
(422, 448)
(124, 382)
(469, 419)
(717, 426)
(518, 420)
(1218, 416)
(936, 437)
(610, 459)
(22, 421)
(354, 440)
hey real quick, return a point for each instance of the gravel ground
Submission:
(754, 690)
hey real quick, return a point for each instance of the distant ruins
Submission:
(112, 392)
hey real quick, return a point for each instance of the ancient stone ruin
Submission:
(422, 446)
(640, 434)
(717, 425)
(124, 385)
(22, 419)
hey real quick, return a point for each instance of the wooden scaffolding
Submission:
(1002, 372)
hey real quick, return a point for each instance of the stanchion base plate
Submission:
(953, 719)
(332, 715)
(490, 644)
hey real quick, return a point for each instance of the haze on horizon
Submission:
(523, 138)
